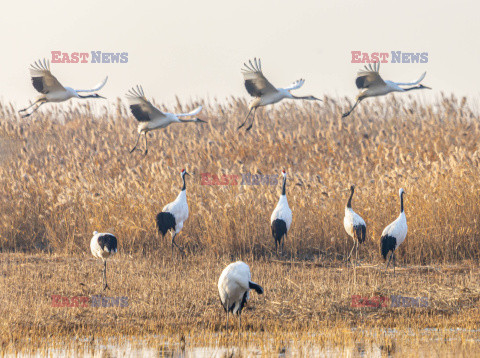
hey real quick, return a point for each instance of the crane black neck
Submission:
(88, 96)
(312, 98)
(284, 185)
(414, 88)
(401, 203)
(184, 187)
(349, 203)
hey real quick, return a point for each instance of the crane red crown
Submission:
(283, 171)
(183, 170)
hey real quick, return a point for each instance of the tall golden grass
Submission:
(67, 172)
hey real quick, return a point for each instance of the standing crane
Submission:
(234, 287)
(394, 234)
(281, 218)
(102, 246)
(51, 90)
(151, 118)
(371, 84)
(174, 214)
(354, 225)
(263, 91)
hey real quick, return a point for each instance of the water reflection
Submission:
(389, 344)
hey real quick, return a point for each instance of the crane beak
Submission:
(425, 87)
(101, 96)
(201, 121)
(186, 173)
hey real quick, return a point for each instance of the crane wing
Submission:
(369, 76)
(140, 107)
(412, 83)
(296, 85)
(42, 79)
(192, 113)
(255, 82)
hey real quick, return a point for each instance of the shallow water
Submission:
(379, 343)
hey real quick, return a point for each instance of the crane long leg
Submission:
(32, 112)
(103, 280)
(146, 144)
(226, 325)
(350, 254)
(33, 104)
(276, 247)
(175, 244)
(351, 109)
(105, 274)
(136, 143)
(388, 262)
(283, 242)
(239, 323)
(253, 119)
(356, 252)
(245, 121)
(393, 263)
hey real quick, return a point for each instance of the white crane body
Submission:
(234, 287)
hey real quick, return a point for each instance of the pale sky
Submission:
(195, 49)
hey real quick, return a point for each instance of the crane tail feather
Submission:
(256, 287)
(387, 244)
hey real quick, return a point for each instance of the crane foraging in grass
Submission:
(281, 218)
(234, 287)
(151, 118)
(354, 225)
(51, 89)
(263, 91)
(371, 84)
(174, 214)
(103, 245)
(394, 234)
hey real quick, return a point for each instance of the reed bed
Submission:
(67, 172)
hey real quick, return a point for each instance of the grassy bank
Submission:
(172, 296)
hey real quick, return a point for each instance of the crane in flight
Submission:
(263, 91)
(52, 90)
(371, 84)
(150, 117)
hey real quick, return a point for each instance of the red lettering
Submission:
(215, 179)
(356, 300)
(356, 56)
(233, 179)
(56, 59)
(224, 180)
(74, 57)
(84, 56)
(205, 179)
(65, 58)
(65, 302)
(83, 301)
(384, 56)
(56, 300)
(74, 302)
(383, 301)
